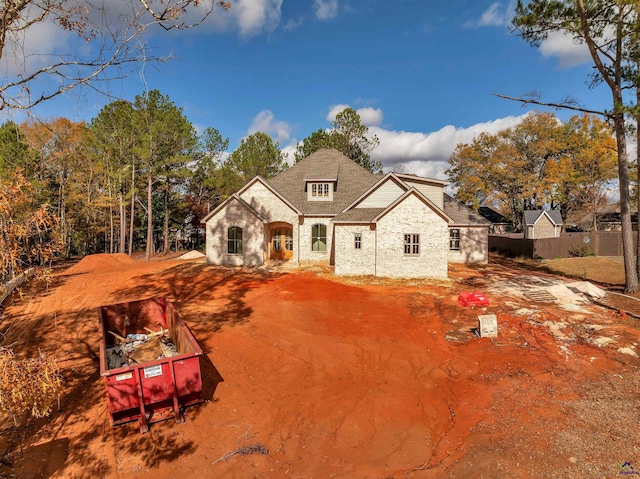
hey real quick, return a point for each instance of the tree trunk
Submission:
(630, 272)
(638, 174)
(149, 248)
(614, 82)
(123, 225)
(133, 203)
(110, 228)
(166, 222)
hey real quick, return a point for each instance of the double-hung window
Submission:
(357, 241)
(454, 239)
(234, 240)
(411, 244)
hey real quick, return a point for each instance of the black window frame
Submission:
(317, 237)
(357, 240)
(234, 240)
(454, 239)
(412, 244)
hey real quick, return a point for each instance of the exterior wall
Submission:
(433, 192)
(383, 196)
(304, 240)
(528, 232)
(253, 236)
(474, 245)
(415, 217)
(348, 259)
(544, 228)
(273, 209)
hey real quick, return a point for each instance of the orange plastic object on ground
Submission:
(473, 299)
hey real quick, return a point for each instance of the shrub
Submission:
(580, 251)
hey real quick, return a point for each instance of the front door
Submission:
(282, 244)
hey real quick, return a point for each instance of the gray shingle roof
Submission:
(492, 215)
(531, 216)
(324, 164)
(358, 215)
(462, 214)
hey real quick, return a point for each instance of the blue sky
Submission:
(421, 73)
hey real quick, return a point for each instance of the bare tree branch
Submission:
(115, 39)
(562, 106)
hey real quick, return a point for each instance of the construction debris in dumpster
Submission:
(140, 348)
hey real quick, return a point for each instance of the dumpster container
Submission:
(162, 376)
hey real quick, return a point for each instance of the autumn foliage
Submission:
(28, 386)
(28, 230)
(539, 163)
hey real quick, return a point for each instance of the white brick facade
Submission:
(280, 215)
(306, 252)
(474, 245)
(412, 216)
(254, 236)
(348, 259)
(273, 209)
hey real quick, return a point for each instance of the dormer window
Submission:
(320, 191)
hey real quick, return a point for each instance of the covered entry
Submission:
(281, 242)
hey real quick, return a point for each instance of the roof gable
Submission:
(361, 201)
(325, 164)
(421, 197)
(225, 203)
(531, 217)
(265, 183)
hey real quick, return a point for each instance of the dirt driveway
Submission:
(327, 377)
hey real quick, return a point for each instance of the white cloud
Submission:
(568, 51)
(246, 17)
(427, 154)
(325, 9)
(256, 16)
(496, 15)
(266, 122)
(293, 24)
(368, 115)
(334, 110)
(289, 152)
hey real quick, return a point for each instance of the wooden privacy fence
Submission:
(600, 243)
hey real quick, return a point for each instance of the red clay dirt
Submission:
(346, 378)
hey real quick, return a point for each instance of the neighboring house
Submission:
(540, 224)
(499, 223)
(327, 208)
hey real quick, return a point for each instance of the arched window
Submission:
(319, 237)
(234, 240)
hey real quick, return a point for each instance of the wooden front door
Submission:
(282, 244)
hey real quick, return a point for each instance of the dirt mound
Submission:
(192, 255)
(100, 262)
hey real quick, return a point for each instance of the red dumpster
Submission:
(145, 384)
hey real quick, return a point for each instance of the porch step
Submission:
(540, 296)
